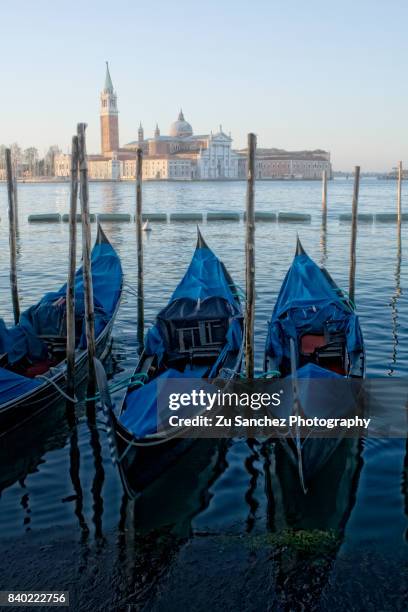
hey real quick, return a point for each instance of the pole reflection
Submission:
(394, 303)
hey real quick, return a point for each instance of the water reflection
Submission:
(25, 503)
(394, 302)
(21, 452)
(250, 465)
(327, 504)
(74, 471)
(323, 240)
(182, 492)
(111, 199)
(405, 485)
(98, 479)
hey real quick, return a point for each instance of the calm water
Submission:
(53, 475)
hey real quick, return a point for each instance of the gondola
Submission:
(199, 335)
(32, 353)
(315, 342)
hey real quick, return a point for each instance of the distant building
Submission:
(105, 168)
(109, 117)
(184, 155)
(62, 165)
(280, 164)
(393, 175)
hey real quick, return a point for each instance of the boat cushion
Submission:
(310, 342)
(40, 367)
(13, 385)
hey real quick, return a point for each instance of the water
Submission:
(53, 475)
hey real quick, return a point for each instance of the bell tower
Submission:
(140, 133)
(109, 117)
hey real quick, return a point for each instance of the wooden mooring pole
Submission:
(250, 259)
(353, 242)
(70, 296)
(139, 244)
(15, 197)
(324, 193)
(12, 216)
(86, 254)
(399, 191)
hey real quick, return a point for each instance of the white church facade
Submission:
(183, 155)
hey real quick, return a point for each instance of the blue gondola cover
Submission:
(13, 385)
(308, 299)
(48, 316)
(140, 416)
(205, 292)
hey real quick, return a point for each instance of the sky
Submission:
(301, 75)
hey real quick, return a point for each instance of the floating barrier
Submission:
(223, 216)
(114, 217)
(186, 217)
(364, 217)
(264, 216)
(390, 217)
(386, 217)
(45, 218)
(154, 217)
(92, 218)
(289, 217)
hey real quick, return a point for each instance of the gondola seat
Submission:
(310, 342)
(39, 368)
(326, 350)
(202, 337)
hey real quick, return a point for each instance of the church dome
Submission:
(181, 128)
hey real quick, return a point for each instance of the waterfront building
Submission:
(184, 155)
(160, 167)
(280, 164)
(62, 165)
(104, 168)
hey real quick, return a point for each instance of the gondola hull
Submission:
(142, 462)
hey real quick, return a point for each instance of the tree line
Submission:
(27, 163)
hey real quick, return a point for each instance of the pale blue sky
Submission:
(298, 74)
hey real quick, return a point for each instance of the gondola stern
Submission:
(101, 237)
(299, 247)
(201, 243)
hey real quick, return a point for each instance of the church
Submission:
(184, 155)
(180, 155)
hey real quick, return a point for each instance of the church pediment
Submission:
(221, 137)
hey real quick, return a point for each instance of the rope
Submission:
(237, 291)
(272, 373)
(344, 294)
(130, 289)
(74, 399)
(135, 380)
